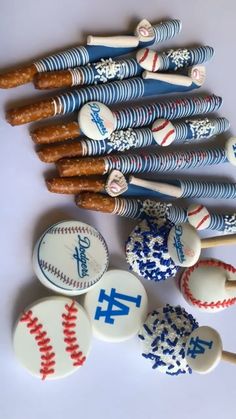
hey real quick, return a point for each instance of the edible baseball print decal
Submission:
(117, 307)
(70, 257)
(96, 120)
(52, 337)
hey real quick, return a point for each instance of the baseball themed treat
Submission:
(204, 350)
(125, 118)
(145, 35)
(164, 337)
(146, 249)
(117, 307)
(119, 69)
(116, 184)
(151, 84)
(184, 244)
(200, 218)
(209, 285)
(52, 337)
(162, 133)
(70, 257)
(149, 162)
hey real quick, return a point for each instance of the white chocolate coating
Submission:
(184, 245)
(198, 216)
(148, 59)
(96, 121)
(163, 132)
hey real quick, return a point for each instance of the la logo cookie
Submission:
(52, 338)
(117, 307)
(70, 257)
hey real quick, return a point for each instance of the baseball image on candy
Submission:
(70, 257)
(117, 307)
(148, 59)
(198, 216)
(96, 120)
(52, 337)
(163, 132)
(204, 285)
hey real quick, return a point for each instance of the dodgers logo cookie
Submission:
(70, 257)
(117, 307)
(52, 338)
(96, 121)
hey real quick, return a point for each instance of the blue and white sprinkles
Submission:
(147, 252)
(164, 336)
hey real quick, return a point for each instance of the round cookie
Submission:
(70, 257)
(117, 307)
(231, 150)
(204, 349)
(203, 285)
(163, 132)
(184, 245)
(164, 336)
(52, 337)
(96, 121)
(148, 59)
(147, 252)
(198, 216)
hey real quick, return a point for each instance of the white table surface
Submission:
(116, 382)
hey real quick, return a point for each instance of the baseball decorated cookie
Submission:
(117, 307)
(163, 132)
(204, 285)
(70, 257)
(96, 121)
(52, 337)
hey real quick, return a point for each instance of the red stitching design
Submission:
(65, 279)
(43, 341)
(204, 304)
(69, 324)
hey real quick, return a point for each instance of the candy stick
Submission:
(75, 185)
(184, 244)
(152, 84)
(149, 162)
(165, 132)
(109, 69)
(127, 117)
(209, 285)
(204, 350)
(77, 56)
(200, 218)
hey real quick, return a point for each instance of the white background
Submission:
(116, 382)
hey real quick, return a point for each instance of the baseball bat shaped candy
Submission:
(151, 84)
(145, 35)
(209, 285)
(149, 162)
(98, 122)
(119, 69)
(162, 133)
(173, 343)
(116, 184)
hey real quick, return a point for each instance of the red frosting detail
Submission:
(184, 282)
(144, 56)
(69, 325)
(43, 342)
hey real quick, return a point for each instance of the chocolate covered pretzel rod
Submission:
(135, 208)
(145, 35)
(127, 117)
(163, 133)
(151, 84)
(109, 69)
(149, 162)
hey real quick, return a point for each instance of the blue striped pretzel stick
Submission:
(119, 69)
(128, 117)
(145, 35)
(149, 162)
(117, 185)
(135, 208)
(151, 84)
(165, 132)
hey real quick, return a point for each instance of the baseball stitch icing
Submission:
(43, 341)
(69, 318)
(204, 304)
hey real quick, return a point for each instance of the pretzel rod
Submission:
(109, 69)
(152, 84)
(163, 133)
(75, 185)
(148, 162)
(131, 208)
(134, 117)
(145, 35)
